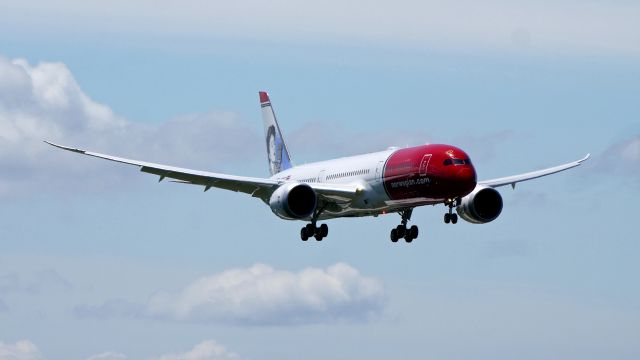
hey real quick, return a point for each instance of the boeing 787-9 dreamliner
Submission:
(390, 181)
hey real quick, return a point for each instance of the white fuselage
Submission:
(366, 171)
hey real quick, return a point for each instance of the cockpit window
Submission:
(456, 162)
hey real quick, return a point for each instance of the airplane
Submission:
(390, 181)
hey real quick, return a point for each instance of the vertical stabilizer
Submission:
(277, 152)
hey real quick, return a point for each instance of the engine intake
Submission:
(482, 205)
(293, 201)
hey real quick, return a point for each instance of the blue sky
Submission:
(98, 261)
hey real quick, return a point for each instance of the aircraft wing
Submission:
(512, 180)
(256, 187)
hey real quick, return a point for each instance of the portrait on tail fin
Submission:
(274, 151)
(277, 153)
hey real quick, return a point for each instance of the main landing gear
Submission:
(319, 232)
(311, 230)
(401, 231)
(450, 217)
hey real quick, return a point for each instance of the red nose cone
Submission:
(466, 178)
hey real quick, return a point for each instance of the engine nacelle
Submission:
(293, 201)
(482, 205)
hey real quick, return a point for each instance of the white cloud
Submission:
(206, 350)
(621, 159)
(21, 350)
(263, 295)
(559, 26)
(630, 150)
(109, 355)
(44, 102)
(259, 295)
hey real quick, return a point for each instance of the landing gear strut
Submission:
(401, 231)
(450, 217)
(311, 230)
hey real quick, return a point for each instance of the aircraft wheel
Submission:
(394, 235)
(414, 232)
(411, 234)
(311, 229)
(401, 230)
(324, 230)
(454, 218)
(318, 237)
(303, 234)
(447, 218)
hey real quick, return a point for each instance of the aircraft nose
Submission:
(466, 177)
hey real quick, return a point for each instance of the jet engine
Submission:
(482, 205)
(293, 201)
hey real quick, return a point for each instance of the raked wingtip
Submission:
(65, 147)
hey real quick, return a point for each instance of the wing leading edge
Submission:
(256, 187)
(512, 180)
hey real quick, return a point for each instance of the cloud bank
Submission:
(565, 26)
(109, 355)
(206, 350)
(260, 295)
(622, 159)
(44, 102)
(21, 350)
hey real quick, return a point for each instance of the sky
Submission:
(99, 261)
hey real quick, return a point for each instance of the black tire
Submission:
(447, 218)
(318, 237)
(304, 236)
(414, 232)
(394, 235)
(324, 230)
(311, 230)
(401, 231)
(408, 238)
(454, 218)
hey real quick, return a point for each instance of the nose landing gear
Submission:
(401, 231)
(450, 217)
